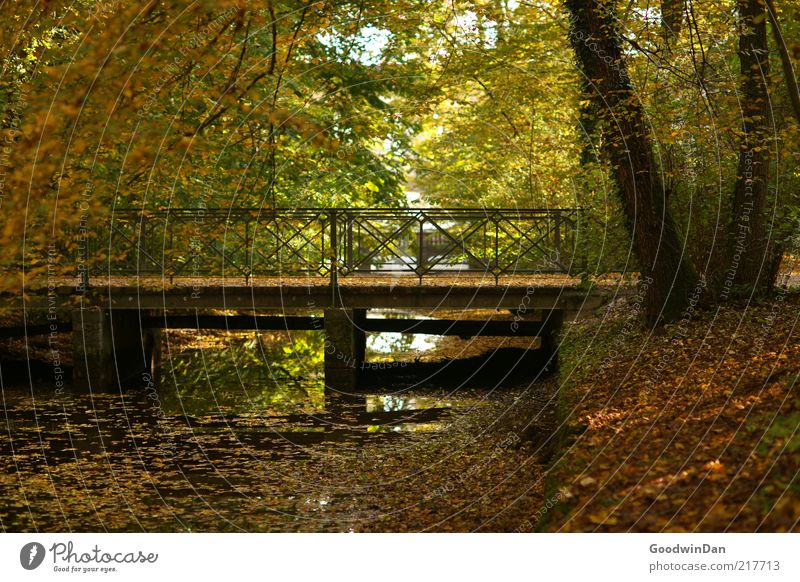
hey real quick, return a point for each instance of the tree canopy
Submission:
(284, 103)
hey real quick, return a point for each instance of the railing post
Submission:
(496, 260)
(334, 256)
(247, 254)
(421, 259)
(168, 225)
(349, 242)
(557, 236)
(142, 242)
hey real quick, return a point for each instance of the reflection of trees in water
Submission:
(275, 373)
(392, 403)
(381, 345)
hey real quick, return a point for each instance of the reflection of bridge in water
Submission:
(317, 269)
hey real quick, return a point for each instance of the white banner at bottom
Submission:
(400, 557)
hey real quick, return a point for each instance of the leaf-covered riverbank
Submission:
(693, 428)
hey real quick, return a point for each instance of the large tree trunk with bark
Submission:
(667, 277)
(786, 61)
(751, 264)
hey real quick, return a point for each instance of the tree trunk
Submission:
(786, 60)
(667, 277)
(671, 21)
(749, 270)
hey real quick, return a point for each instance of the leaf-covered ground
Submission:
(693, 428)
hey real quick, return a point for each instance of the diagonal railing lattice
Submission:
(334, 242)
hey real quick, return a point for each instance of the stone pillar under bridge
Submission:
(111, 351)
(553, 321)
(345, 345)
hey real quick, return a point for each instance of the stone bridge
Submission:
(307, 269)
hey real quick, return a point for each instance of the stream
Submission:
(238, 433)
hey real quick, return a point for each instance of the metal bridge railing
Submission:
(334, 242)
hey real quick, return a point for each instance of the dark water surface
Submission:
(243, 436)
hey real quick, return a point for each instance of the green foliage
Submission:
(782, 434)
(778, 441)
(290, 104)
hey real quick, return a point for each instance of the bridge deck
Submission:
(114, 343)
(282, 297)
